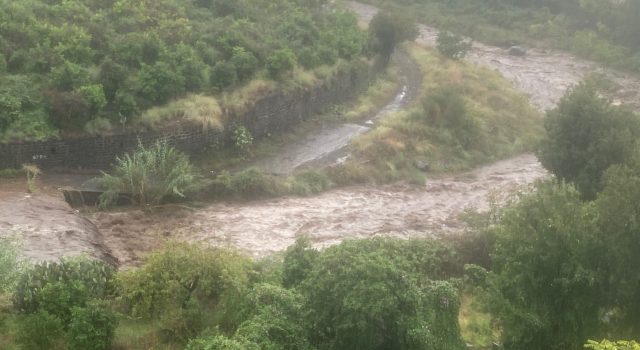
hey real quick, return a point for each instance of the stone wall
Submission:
(275, 112)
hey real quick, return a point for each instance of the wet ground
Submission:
(328, 145)
(52, 229)
(544, 75)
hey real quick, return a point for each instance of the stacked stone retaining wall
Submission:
(275, 112)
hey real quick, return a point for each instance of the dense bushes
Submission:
(176, 283)
(452, 45)
(585, 135)
(112, 62)
(370, 294)
(66, 300)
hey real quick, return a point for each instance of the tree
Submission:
(159, 82)
(388, 29)
(585, 135)
(223, 74)
(363, 295)
(280, 62)
(618, 210)
(546, 269)
(112, 76)
(452, 45)
(245, 62)
(299, 259)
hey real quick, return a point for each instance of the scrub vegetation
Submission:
(91, 66)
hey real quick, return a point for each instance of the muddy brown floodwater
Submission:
(267, 226)
(261, 227)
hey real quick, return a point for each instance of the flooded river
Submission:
(260, 227)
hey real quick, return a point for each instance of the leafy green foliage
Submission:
(546, 263)
(59, 49)
(149, 176)
(445, 108)
(57, 287)
(219, 342)
(275, 319)
(299, 259)
(92, 326)
(171, 279)
(618, 212)
(223, 74)
(585, 136)
(369, 295)
(11, 265)
(242, 139)
(388, 29)
(280, 62)
(452, 45)
(609, 345)
(40, 330)
(245, 62)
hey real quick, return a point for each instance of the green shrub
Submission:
(57, 287)
(585, 135)
(252, 183)
(242, 139)
(547, 270)
(159, 82)
(94, 95)
(39, 331)
(610, 345)
(370, 295)
(245, 63)
(173, 278)
(92, 326)
(309, 182)
(275, 320)
(69, 76)
(452, 45)
(11, 265)
(280, 62)
(149, 176)
(219, 342)
(299, 260)
(445, 108)
(223, 74)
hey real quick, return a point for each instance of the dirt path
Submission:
(327, 145)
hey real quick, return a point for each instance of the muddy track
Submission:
(329, 144)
